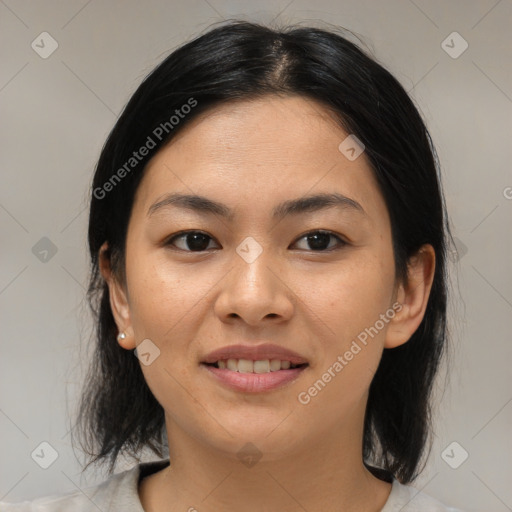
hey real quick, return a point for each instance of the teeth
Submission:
(261, 366)
(249, 366)
(245, 366)
(275, 365)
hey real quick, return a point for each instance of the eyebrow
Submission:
(201, 204)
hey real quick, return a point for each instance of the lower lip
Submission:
(254, 382)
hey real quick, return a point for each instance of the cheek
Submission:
(163, 296)
(156, 301)
(356, 293)
(164, 308)
(351, 310)
(352, 307)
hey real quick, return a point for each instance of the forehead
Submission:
(287, 126)
(258, 152)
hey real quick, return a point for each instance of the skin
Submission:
(252, 155)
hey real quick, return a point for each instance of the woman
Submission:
(272, 371)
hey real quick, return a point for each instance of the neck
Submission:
(327, 475)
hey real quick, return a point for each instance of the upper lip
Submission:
(254, 353)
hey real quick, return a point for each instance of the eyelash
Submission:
(182, 234)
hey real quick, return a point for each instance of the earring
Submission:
(121, 336)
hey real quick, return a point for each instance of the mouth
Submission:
(254, 368)
(258, 366)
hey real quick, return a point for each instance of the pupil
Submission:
(199, 241)
(320, 240)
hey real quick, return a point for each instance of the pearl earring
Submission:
(121, 336)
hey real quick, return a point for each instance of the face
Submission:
(311, 280)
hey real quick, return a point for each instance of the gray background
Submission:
(56, 113)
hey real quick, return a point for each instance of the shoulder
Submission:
(120, 489)
(405, 498)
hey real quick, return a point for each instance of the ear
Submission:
(413, 297)
(118, 299)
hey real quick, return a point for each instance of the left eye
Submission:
(197, 241)
(319, 240)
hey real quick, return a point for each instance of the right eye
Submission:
(197, 241)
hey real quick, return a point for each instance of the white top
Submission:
(120, 493)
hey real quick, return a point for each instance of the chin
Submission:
(267, 440)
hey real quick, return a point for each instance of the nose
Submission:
(255, 292)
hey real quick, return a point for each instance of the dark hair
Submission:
(237, 61)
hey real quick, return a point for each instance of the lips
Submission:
(254, 368)
(254, 353)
